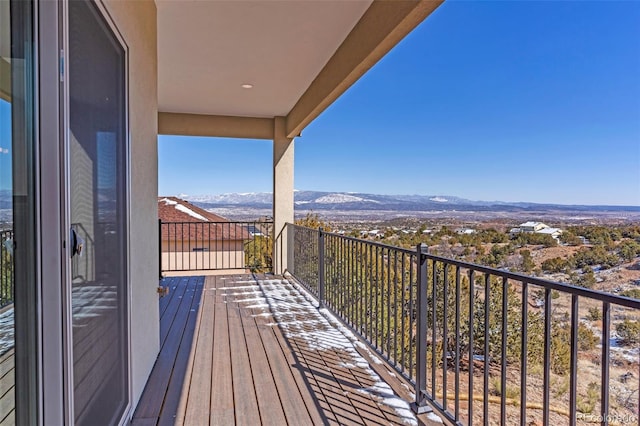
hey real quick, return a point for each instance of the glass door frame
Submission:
(23, 95)
(55, 273)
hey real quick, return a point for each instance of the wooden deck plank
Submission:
(165, 301)
(269, 400)
(136, 421)
(169, 414)
(9, 419)
(8, 400)
(7, 388)
(152, 399)
(297, 409)
(7, 362)
(222, 411)
(168, 316)
(244, 392)
(198, 401)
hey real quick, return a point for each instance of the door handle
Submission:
(77, 243)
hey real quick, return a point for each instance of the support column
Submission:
(283, 161)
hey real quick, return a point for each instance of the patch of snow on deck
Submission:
(6, 331)
(297, 314)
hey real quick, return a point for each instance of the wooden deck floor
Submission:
(251, 350)
(7, 388)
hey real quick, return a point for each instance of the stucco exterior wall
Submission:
(180, 255)
(137, 23)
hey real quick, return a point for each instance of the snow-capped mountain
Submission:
(341, 198)
(243, 198)
(318, 200)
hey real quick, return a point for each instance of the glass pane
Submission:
(97, 160)
(17, 217)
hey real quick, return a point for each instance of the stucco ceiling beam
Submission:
(170, 123)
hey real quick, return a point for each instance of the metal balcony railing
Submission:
(200, 246)
(7, 279)
(478, 344)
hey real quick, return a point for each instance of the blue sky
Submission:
(489, 100)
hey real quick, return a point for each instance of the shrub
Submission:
(587, 340)
(595, 314)
(633, 293)
(629, 331)
(587, 279)
(557, 264)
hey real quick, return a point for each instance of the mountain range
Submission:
(318, 200)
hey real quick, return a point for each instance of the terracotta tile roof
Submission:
(183, 221)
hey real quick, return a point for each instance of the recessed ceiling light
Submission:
(247, 86)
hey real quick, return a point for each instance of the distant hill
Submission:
(348, 201)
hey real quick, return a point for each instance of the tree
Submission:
(312, 220)
(570, 238)
(629, 250)
(527, 261)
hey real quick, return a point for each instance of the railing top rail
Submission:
(373, 243)
(233, 222)
(562, 287)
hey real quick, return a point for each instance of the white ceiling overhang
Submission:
(298, 55)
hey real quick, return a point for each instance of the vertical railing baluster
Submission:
(159, 250)
(573, 378)
(395, 308)
(524, 352)
(226, 265)
(420, 404)
(343, 283)
(471, 351)
(604, 386)
(445, 333)
(503, 353)
(457, 367)
(182, 246)
(547, 356)
(485, 389)
(175, 246)
(350, 305)
(321, 268)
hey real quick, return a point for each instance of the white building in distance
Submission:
(538, 228)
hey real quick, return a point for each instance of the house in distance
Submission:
(192, 237)
(538, 228)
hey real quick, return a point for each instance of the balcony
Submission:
(357, 330)
(254, 349)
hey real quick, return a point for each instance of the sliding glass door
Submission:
(18, 256)
(97, 187)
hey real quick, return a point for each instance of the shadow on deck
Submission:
(244, 349)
